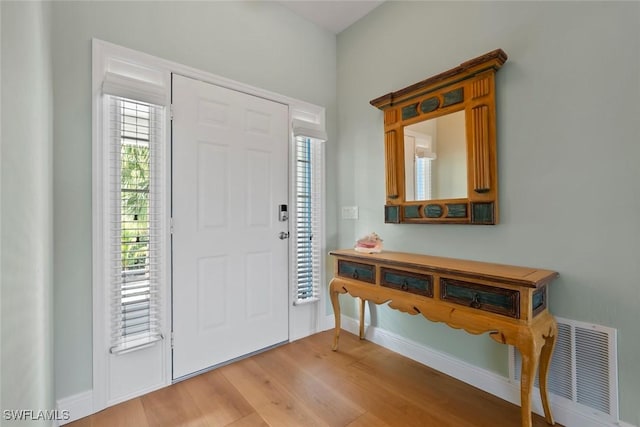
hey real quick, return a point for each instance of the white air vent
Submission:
(584, 367)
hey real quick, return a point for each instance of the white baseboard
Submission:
(79, 406)
(564, 411)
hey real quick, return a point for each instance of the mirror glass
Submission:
(435, 157)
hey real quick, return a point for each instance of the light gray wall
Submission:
(26, 359)
(1, 280)
(568, 133)
(258, 43)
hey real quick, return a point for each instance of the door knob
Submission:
(284, 235)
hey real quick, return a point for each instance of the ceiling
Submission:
(333, 15)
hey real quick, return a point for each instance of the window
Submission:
(134, 163)
(423, 178)
(308, 218)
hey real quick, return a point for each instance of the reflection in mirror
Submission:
(436, 158)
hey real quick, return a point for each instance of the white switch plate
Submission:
(349, 212)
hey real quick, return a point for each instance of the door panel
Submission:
(212, 185)
(212, 282)
(230, 289)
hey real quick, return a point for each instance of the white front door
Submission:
(230, 271)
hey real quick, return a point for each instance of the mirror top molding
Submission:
(491, 60)
(468, 88)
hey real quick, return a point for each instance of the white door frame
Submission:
(108, 57)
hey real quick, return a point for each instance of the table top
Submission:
(522, 276)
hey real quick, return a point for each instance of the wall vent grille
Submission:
(584, 366)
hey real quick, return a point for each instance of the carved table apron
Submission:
(507, 301)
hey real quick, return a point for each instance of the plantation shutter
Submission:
(135, 135)
(423, 184)
(308, 218)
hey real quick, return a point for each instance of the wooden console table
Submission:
(508, 302)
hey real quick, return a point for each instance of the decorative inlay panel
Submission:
(482, 213)
(412, 211)
(409, 111)
(392, 214)
(456, 210)
(430, 104)
(453, 97)
(481, 297)
(357, 271)
(539, 300)
(433, 211)
(414, 283)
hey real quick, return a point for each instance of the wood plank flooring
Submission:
(306, 384)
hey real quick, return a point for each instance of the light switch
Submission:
(349, 212)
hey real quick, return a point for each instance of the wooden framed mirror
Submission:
(440, 146)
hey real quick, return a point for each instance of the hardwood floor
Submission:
(304, 383)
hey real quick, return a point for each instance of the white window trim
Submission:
(307, 317)
(110, 64)
(123, 64)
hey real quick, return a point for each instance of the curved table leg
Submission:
(362, 303)
(545, 362)
(536, 348)
(529, 356)
(335, 302)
